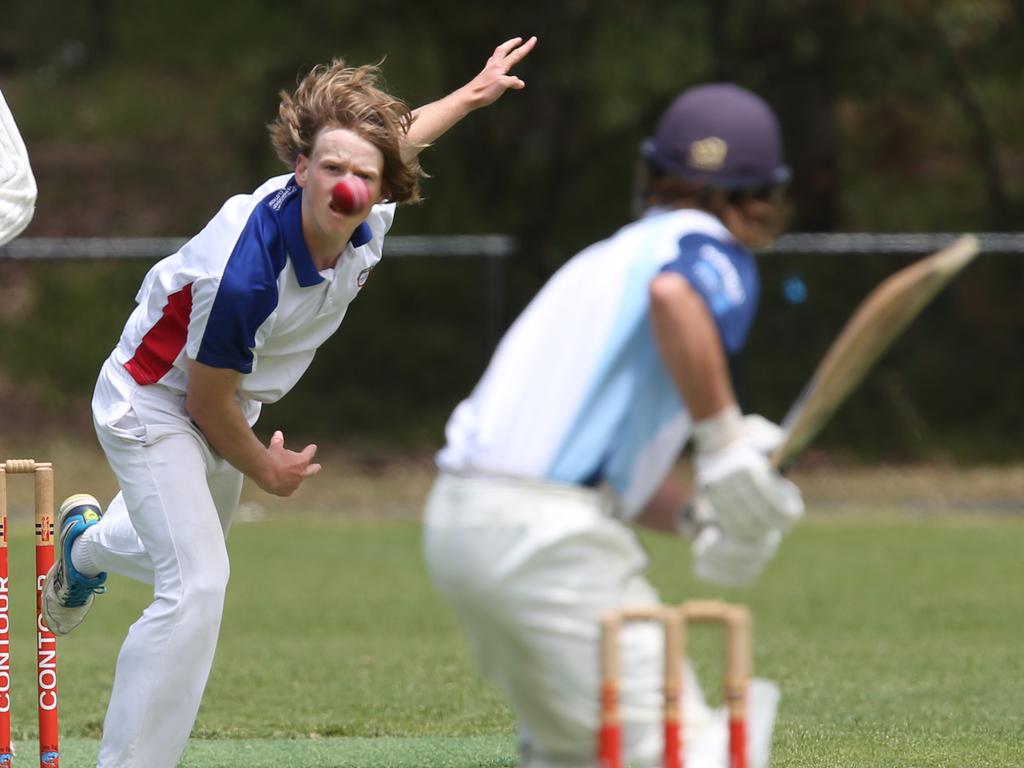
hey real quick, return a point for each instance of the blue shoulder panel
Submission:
(725, 275)
(248, 292)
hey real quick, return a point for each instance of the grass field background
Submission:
(891, 620)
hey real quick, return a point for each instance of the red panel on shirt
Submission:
(164, 341)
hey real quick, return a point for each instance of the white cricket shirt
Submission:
(576, 391)
(244, 294)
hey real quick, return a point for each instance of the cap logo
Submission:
(708, 154)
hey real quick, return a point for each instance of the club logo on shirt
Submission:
(720, 275)
(282, 195)
(363, 277)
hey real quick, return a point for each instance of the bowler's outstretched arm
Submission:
(432, 120)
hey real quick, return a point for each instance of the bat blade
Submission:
(871, 330)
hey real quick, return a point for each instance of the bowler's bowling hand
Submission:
(287, 469)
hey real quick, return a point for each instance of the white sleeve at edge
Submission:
(381, 218)
(17, 184)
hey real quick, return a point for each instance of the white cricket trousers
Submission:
(166, 527)
(528, 569)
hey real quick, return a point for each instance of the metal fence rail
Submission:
(41, 248)
(504, 246)
(493, 249)
(835, 243)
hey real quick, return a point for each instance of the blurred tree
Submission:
(142, 118)
(792, 54)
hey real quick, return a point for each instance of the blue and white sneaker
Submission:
(67, 594)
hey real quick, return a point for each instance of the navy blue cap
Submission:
(720, 134)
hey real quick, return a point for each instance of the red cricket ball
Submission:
(350, 195)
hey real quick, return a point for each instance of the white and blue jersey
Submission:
(576, 391)
(244, 294)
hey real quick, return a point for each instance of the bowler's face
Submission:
(338, 153)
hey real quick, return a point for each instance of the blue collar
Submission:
(291, 224)
(362, 235)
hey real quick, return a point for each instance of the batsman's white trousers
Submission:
(166, 527)
(528, 568)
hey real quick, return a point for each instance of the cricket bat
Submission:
(874, 326)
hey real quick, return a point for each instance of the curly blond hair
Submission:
(337, 95)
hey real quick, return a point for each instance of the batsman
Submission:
(570, 436)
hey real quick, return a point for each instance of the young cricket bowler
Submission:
(229, 322)
(570, 435)
(17, 184)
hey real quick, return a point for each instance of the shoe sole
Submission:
(50, 625)
(71, 502)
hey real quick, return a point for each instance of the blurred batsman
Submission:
(17, 184)
(226, 324)
(572, 432)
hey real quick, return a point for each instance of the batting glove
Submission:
(749, 497)
(731, 562)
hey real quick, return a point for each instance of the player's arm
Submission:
(690, 346)
(717, 557)
(17, 184)
(748, 497)
(210, 401)
(432, 120)
(662, 512)
(736, 522)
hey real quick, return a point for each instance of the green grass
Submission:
(434, 751)
(896, 641)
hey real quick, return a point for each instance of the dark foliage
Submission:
(899, 116)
